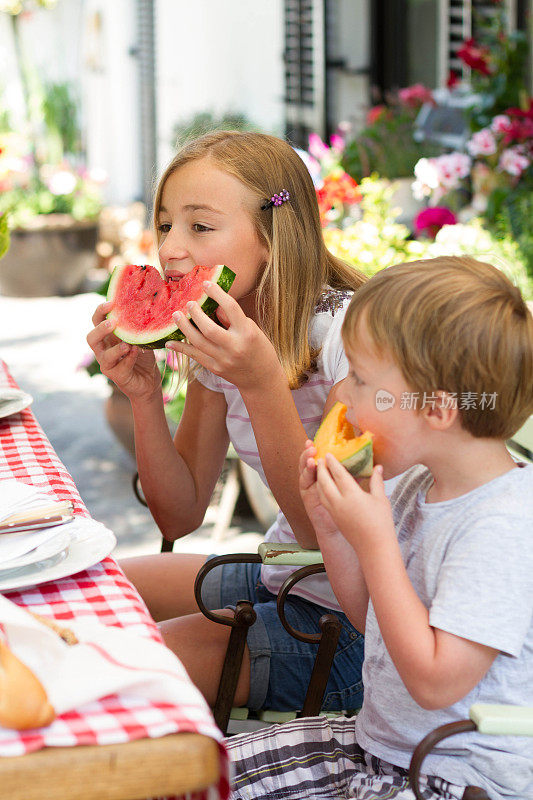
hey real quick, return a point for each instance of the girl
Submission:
(263, 379)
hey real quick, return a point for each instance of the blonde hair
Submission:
(458, 325)
(299, 265)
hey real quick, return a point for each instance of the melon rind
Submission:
(156, 339)
(361, 464)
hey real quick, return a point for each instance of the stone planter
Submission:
(404, 199)
(51, 258)
(119, 416)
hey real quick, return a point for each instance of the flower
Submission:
(337, 190)
(475, 56)
(500, 124)
(28, 190)
(513, 161)
(442, 173)
(431, 220)
(482, 143)
(376, 113)
(416, 95)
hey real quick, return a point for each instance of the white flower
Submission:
(426, 172)
(482, 143)
(513, 161)
(62, 182)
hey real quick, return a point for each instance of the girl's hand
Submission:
(133, 371)
(240, 353)
(317, 513)
(364, 518)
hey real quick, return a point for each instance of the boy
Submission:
(440, 578)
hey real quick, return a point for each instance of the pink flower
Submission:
(317, 147)
(337, 142)
(513, 161)
(500, 124)
(431, 220)
(482, 143)
(416, 95)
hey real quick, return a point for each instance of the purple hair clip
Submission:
(276, 200)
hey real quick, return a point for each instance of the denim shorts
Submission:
(280, 664)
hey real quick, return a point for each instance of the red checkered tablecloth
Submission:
(101, 592)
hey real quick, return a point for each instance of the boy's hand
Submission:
(320, 518)
(364, 518)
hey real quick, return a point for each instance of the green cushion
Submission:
(523, 438)
(502, 719)
(291, 554)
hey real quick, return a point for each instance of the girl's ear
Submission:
(440, 411)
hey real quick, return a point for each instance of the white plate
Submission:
(43, 552)
(13, 400)
(84, 551)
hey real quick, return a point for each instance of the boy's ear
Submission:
(441, 411)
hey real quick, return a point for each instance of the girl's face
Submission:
(205, 219)
(377, 398)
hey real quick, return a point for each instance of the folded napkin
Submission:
(17, 498)
(107, 660)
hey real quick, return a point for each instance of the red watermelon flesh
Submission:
(143, 301)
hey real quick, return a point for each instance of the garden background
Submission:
(414, 117)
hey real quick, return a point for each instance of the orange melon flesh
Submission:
(336, 436)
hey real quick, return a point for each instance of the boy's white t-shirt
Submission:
(470, 561)
(310, 398)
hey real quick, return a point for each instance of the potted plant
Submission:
(51, 198)
(386, 146)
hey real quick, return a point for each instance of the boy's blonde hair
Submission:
(454, 324)
(299, 266)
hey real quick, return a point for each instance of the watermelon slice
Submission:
(143, 301)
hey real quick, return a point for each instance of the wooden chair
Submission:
(493, 720)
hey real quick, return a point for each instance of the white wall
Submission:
(111, 95)
(218, 55)
(215, 55)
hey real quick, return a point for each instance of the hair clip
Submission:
(276, 200)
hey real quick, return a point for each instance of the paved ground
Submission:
(43, 342)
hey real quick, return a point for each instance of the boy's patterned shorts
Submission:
(319, 758)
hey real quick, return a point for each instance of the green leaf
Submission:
(4, 235)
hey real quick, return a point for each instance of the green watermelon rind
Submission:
(222, 275)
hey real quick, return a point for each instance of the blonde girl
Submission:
(262, 380)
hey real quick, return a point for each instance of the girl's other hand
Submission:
(133, 371)
(239, 352)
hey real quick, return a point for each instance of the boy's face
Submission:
(377, 399)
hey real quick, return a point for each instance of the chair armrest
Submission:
(288, 554)
(502, 719)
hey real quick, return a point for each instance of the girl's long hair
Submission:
(300, 266)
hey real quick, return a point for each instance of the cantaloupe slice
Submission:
(336, 435)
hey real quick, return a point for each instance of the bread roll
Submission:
(23, 700)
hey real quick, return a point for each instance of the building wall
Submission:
(210, 55)
(218, 56)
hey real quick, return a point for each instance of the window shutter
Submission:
(458, 22)
(304, 58)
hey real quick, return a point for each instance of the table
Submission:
(117, 748)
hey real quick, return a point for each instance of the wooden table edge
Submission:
(173, 764)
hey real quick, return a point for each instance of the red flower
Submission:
(376, 113)
(475, 56)
(338, 188)
(431, 220)
(453, 79)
